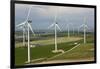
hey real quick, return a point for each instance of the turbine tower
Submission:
(84, 29)
(23, 27)
(28, 31)
(72, 28)
(29, 28)
(68, 29)
(55, 25)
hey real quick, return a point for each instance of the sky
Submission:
(42, 16)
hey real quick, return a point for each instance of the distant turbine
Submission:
(84, 28)
(68, 31)
(55, 24)
(23, 27)
(72, 28)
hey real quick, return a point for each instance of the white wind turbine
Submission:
(68, 32)
(72, 28)
(55, 25)
(84, 28)
(26, 23)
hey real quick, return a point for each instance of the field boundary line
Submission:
(65, 51)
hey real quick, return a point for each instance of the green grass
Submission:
(38, 52)
(82, 52)
(51, 41)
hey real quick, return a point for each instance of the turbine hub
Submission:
(29, 21)
(56, 23)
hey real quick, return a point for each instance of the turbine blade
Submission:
(84, 20)
(28, 13)
(31, 28)
(58, 27)
(81, 26)
(20, 24)
(86, 26)
(55, 18)
(56, 15)
(51, 25)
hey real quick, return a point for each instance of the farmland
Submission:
(42, 53)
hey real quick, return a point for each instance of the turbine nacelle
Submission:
(29, 21)
(54, 24)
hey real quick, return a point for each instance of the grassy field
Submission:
(44, 52)
(51, 41)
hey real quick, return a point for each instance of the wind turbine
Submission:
(26, 23)
(28, 31)
(72, 28)
(55, 25)
(84, 28)
(68, 32)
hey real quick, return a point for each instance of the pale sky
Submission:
(42, 16)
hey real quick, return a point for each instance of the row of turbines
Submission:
(26, 26)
